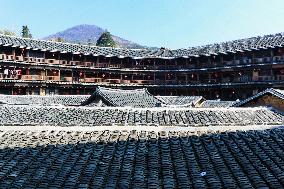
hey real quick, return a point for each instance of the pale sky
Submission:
(159, 23)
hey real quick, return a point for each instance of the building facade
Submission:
(229, 71)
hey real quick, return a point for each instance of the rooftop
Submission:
(128, 146)
(138, 98)
(254, 43)
(141, 159)
(65, 100)
(126, 116)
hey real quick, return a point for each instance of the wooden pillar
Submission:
(221, 60)
(209, 77)
(72, 75)
(209, 60)
(271, 55)
(198, 62)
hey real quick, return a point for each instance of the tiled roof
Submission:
(101, 116)
(144, 159)
(254, 43)
(275, 92)
(139, 98)
(189, 101)
(66, 100)
(217, 104)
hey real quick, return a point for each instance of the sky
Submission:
(156, 23)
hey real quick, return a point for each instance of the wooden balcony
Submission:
(229, 63)
(114, 66)
(5, 77)
(143, 82)
(278, 58)
(2, 56)
(279, 77)
(29, 59)
(39, 60)
(7, 57)
(33, 77)
(265, 78)
(89, 64)
(93, 80)
(51, 61)
(101, 65)
(63, 62)
(52, 78)
(113, 81)
(10, 57)
(81, 64)
(73, 63)
(19, 58)
(66, 79)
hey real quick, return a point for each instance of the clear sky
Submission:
(159, 23)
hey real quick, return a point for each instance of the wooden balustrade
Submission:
(93, 80)
(19, 58)
(279, 77)
(52, 78)
(33, 77)
(39, 60)
(51, 61)
(2, 56)
(66, 79)
(30, 59)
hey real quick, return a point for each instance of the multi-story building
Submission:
(229, 70)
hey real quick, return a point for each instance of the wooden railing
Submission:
(52, 78)
(32, 77)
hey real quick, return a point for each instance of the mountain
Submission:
(85, 34)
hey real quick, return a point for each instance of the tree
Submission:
(59, 39)
(26, 32)
(7, 32)
(105, 40)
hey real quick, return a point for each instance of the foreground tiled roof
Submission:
(139, 98)
(43, 100)
(254, 43)
(189, 101)
(100, 116)
(217, 104)
(141, 159)
(275, 92)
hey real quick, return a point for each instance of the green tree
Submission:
(105, 40)
(26, 32)
(7, 32)
(59, 39)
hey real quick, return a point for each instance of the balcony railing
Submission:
(52, 78)
(66, 79)
(32, 77)
(8, 77)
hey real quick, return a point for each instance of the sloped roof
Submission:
(254, 43)
(138, 98)
(141, 159)
(189, 101)
(217, 104)
(128, 116)
(276, 92)
(47, 100)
